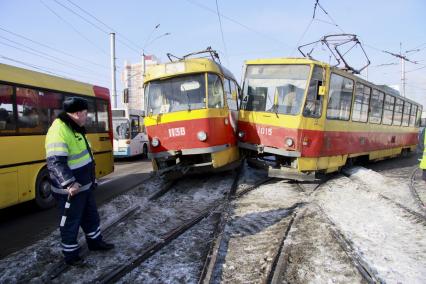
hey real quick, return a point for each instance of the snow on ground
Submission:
(382, 234)
(396, 189)
(258, 222)
(420, 186)
(155, 219)
(179, 262)
(312, 255)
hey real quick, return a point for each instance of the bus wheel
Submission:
(43, 195)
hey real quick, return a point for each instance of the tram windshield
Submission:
(176, 94)
(275, 88)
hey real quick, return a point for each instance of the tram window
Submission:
(255, 99)
(340, 97)
(376, 107)
(406, 114)
(234, 95)
(361, 103)
(231, 94)
(399, 106)
(388, 109)
(215, 99)
(413, 115)
(275, 88)
(7, 115)
(313, 105)
(183, 93)
(419, 116)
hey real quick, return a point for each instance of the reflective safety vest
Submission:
(423, 160)
(68, 158)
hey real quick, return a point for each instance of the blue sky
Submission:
(49, 34)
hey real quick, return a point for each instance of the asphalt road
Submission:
(23, 224)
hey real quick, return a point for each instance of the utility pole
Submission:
(113, 69)
(403, 58)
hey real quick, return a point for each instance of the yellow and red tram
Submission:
(191, 108)
(301, 116)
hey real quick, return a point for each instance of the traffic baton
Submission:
(67, 206)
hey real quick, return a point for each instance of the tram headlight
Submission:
(241, 134)
(202, 136)
(289, 142)
(155, 142)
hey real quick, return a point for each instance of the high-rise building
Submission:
(132, 78)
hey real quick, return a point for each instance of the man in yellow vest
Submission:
(72, 172)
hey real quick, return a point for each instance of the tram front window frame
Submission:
(275, 88)
(183, 93)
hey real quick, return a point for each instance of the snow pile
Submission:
(382, 234)
(395, 189)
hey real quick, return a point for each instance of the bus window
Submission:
(376, 106)
(7, 116)
(91, 122)
(102, 107)
(361, 102)
(313, 103)
(32, 117)
(406, 114)
(215, 99)
(134, 126)
(340, 97)
(399, 106)
(388, 109)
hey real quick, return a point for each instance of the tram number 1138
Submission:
(178, 131)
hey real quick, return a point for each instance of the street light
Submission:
(149, 43)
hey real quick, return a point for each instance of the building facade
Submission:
(132, 79)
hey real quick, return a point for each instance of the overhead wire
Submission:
(221, 31)
(54, 49)
(58, 73)
(103, 23)
(96, 26)
(46, 56)
(73, 28)
(238, 23)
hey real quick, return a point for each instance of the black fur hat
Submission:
(74, 104)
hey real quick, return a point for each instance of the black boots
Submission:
(100, 246)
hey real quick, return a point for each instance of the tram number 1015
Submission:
(264, 131)
(178, 131)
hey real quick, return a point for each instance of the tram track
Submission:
(414, 192)
(108, 229)
(177, 201)
(218, 210)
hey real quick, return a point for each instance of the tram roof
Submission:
(284, 60)
(186, 66)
